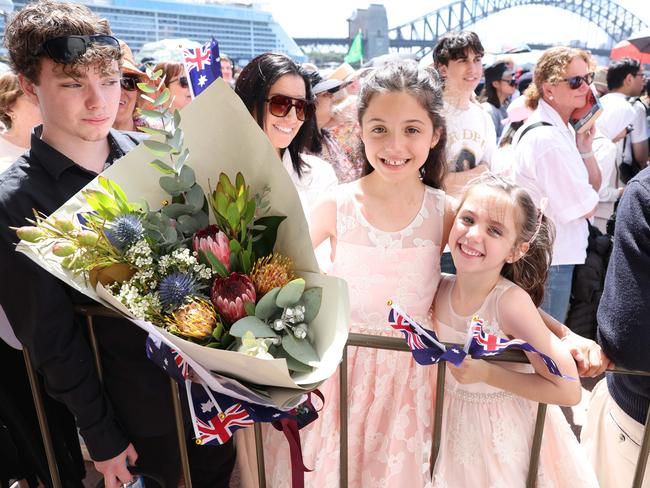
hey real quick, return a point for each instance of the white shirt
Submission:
(640, 123)
(316, 180)
(9, 152)
(548, 164)
(606, 154)
(471, 137)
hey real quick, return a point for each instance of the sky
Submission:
(318, 18)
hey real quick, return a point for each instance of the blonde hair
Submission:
(10, 91)
(551, 68)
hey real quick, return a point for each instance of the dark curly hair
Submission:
(454, 45)
(41, 21)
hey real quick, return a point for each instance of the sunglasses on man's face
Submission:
(575, 82)
(129, 83)
(182, 80)
(280, 106)
(68, 49)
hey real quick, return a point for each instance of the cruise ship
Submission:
(242, 30)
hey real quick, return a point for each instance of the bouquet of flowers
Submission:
(225, 279)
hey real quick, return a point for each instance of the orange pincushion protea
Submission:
(270, 272)
(194, 319)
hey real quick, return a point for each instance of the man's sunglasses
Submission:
(575, 82)
(68, 49)
(280, 106)
(129, 83)
(181, 81)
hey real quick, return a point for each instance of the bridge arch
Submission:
(617, 22)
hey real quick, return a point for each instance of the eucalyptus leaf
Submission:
(182, 159)
(258, 327)
(155, 132)
(150, 113)
(176, 210)
(162, 98)
(301, 350)
(171, 185)
(162, 167)
(266, 307)
(292, 363)
(187, 225)
(146, 88)
(311, 299)
(187, 177)
(177, 140)
(195, 197)
(290, 293)
(160, 149)
(177, 118)
(202, 218)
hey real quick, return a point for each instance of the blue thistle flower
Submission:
(125, 230)
(175, 288)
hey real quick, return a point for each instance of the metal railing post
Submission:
(259, 452)
(180, 432)
(42, 420)
(437, 420)
(536, 446)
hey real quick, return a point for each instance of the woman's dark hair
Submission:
(253, 86)
(531, 270)
(316, 143)
(491, 95)
(454, 45)
(423, 84)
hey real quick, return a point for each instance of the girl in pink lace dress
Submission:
(502, 249)
(386, 233)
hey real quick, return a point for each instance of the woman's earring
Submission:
(550, 97)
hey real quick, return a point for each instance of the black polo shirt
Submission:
(40, 309)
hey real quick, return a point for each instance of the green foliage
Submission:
(187, 212)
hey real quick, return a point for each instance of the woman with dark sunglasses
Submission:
(176, 81)
(499, 86)
(555, 163)
(277, 93)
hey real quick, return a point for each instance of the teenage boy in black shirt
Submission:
(69, 64)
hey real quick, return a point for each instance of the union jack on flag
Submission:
(203, 66)
(424, 344)
(483, 345)
(221, 426)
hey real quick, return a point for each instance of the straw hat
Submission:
(128, 63)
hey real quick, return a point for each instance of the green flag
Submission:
(355, 53)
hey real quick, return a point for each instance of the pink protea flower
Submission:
(230, 294)
(212, 240)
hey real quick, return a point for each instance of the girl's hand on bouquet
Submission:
(115, 470)
(470, 371)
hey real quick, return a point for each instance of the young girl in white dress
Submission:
(501, 246)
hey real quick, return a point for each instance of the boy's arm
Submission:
(589, 356)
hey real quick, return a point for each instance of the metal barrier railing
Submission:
(356, 340)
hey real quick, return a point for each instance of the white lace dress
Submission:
(390, 405)
(487, 432)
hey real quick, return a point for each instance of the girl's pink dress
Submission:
(390, 405)
(487, 432)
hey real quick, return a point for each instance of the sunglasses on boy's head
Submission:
(68, 49)
(182, 80)
(129, 83)
(280, 106)
(575, 82)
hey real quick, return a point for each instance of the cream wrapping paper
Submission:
(222, 136)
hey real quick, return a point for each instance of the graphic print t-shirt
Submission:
(471, 137)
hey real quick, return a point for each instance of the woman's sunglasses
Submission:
(68, 49)
(512, 82)
(575, 82)
(280, 106)
(182, 80)
(129, 83)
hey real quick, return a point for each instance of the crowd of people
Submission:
(455, 189)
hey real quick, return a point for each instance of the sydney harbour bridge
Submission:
(419, 35)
